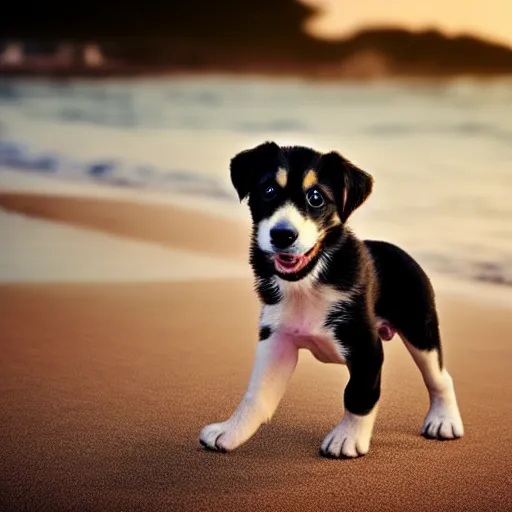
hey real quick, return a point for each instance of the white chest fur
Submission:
(300, 318)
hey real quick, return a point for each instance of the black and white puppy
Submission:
(324, 290)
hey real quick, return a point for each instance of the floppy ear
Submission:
(353, 185)
(247, 165)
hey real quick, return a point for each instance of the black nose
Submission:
(283, 236)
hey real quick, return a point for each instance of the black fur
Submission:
(385, 281)
(246, 166)
(365, 355)
(344, 175)
(265, 332)
(406, 297)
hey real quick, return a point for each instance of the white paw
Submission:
(443, 421)
(349, 439)
(219, 437)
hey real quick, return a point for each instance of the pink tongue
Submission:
(288, 261)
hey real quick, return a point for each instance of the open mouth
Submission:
(286, 263)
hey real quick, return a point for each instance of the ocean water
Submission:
(441, 154)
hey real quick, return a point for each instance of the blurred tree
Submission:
(430, 51)
(240, 34)
(259, 29)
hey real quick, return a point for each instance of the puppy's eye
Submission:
(315, 198)
(269, 192)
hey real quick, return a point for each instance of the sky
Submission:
(491, 19)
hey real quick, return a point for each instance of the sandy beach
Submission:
(104, 387)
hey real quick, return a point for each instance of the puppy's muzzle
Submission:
(282, 236)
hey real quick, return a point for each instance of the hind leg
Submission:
(443, 420)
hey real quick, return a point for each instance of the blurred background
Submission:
(127, 317)
(148, 103)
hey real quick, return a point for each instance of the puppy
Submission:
(324, 290)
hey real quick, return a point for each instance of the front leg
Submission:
(276, 358)
(351, 437)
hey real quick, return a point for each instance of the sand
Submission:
(104, 388)
(39, 250)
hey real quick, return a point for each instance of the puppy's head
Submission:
(299, 200)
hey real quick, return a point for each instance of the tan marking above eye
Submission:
(282, 177)
(310, 179)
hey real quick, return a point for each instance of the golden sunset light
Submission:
(491, 19)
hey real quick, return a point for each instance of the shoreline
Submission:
(142, 218)
(278, 73)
